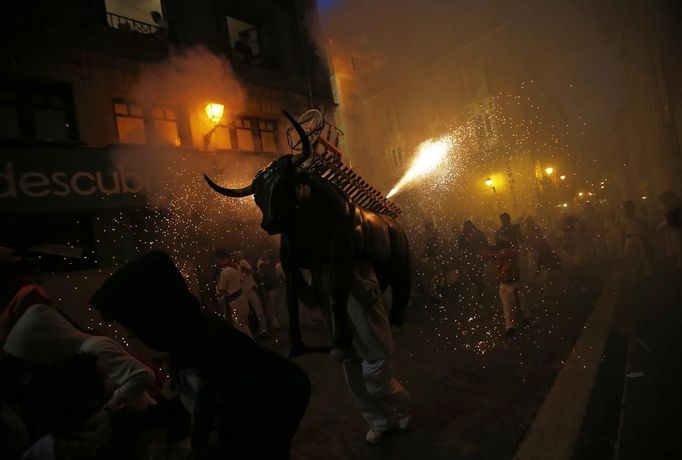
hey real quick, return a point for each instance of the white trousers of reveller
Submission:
(379, 397)
(254, 301)
(238, 311)
(511, 304)
(275, 309)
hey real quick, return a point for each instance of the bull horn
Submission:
(306, 149)
(231, 192)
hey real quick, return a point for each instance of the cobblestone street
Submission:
(474, 392)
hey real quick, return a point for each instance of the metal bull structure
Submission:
(328, 218)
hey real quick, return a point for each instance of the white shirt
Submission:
(129, 376)
(229, 281)
(44, 336)
(248, 281)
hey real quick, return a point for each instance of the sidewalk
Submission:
(474, 392)
(635, 408)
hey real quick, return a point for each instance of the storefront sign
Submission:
(44, 180)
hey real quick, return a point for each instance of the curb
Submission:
(556, 427)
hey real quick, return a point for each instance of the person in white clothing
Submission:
(250, 289)
(129, 377)
(379, 397)
(233, 303)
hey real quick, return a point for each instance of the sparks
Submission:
(430, 155)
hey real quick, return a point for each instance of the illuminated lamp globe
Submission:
(214, 111)
(489, 182)
(549, 170)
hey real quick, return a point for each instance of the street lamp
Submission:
(214, 112)
(490, 183)
(549, 170)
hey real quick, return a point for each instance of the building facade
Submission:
(101, 100)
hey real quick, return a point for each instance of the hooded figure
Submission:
(249, 400)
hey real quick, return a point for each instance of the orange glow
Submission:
(489, 182)
(549, 170)
(214, 111)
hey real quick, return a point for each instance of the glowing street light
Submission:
(214, 111)
(562, 177)
(549, 170)
(490, 183)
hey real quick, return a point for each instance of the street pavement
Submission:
(474, 391)
(634, 411)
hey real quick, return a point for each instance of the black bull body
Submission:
(324, 232)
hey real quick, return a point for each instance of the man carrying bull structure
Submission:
(380, 398)
(346, 234)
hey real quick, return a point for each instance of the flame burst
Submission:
(430, 155)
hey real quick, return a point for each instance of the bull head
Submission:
(275, 187)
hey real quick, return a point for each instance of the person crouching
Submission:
(249, 400)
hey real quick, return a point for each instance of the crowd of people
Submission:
(547, 257)
(71, 393)
(66, 392)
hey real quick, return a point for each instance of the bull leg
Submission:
(296, 345)
(342, 336)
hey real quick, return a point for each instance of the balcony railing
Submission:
(131, 25)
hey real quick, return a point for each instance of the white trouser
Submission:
(511, 304)
(379, 397)
(275, 304)
(238, 311)
(254, 301)
(273, 299)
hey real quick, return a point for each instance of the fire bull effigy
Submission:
(328, 218)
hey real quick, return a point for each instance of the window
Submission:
(247, 133)
(244, 40)
(267, 135)
(9, 119)
(165, 126)
(37, 110)
(50, 118)
(130, 123)
(136, 124)
(482, 122)
(244, 131)
(221, 137)
(397, 158)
